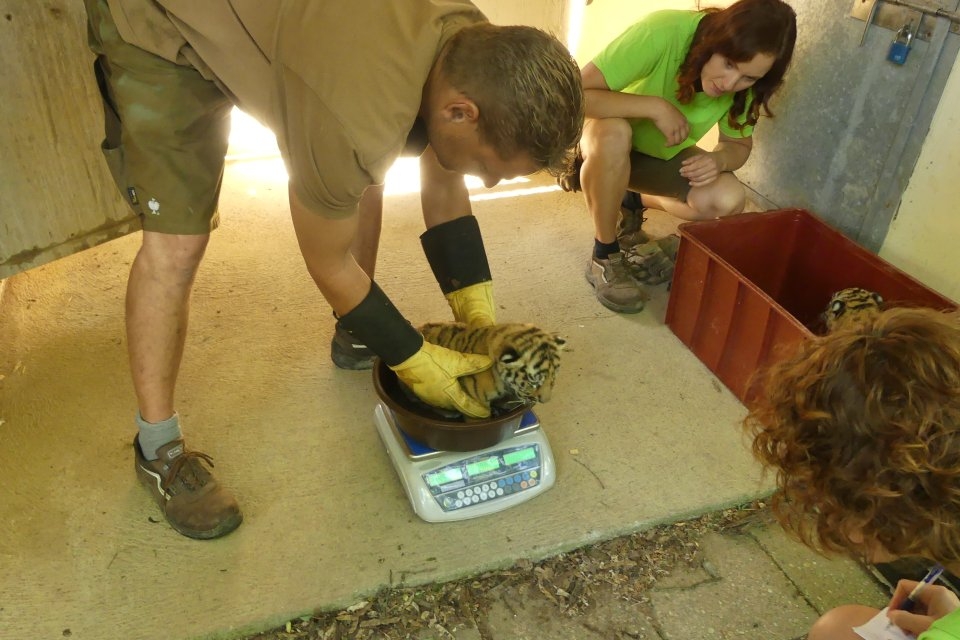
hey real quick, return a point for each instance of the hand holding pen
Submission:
(916, 605)
(914, 596)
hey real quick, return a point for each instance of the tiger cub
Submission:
(525, 360)
(851, 305)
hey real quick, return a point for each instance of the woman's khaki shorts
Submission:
(658, 177)
(166, 130)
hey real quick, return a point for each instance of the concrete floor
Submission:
(642, 432)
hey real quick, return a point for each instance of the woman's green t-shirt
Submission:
(645, 60)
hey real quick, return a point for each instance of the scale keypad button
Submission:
(499, 491)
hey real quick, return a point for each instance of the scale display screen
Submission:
(519, 455)
(482, 466)
(444, 476)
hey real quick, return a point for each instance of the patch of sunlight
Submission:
(253, 154)
(514, 193)
(404, 177)
(250, 140)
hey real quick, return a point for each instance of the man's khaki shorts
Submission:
(660, 177)
(166, 131)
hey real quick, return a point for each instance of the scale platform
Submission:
(444, 486)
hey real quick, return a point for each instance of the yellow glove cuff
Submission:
(474, 304)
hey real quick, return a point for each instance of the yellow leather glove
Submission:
(474, 304)
(432, 374)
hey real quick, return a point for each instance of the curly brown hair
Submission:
(862, 428)
(739, 33)
(527, 87)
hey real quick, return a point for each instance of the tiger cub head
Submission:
(526, 359)
(851, 305)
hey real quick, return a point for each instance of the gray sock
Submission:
(154, 435)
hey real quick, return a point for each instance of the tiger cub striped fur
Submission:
(525, 360)
(849, 305)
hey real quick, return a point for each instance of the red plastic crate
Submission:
(747, 288)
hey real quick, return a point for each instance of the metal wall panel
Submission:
(849, 124)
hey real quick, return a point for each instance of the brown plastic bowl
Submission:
(434, 430)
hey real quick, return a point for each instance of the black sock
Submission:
(602, 250)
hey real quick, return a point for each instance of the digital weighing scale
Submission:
(444, 486)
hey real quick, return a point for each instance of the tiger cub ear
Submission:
(558, 340)
(509, 357)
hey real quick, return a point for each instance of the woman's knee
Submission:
(606, 137)
(723, 197)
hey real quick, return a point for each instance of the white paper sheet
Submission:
(879, 628)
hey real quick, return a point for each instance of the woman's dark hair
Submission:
(739, 33)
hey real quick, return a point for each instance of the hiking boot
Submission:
(629, 231)
(615, 288)
(653, 262)
(670, 245)
(191, 499)
(347, 353)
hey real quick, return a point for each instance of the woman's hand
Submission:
(671, 123)
(701, 169)
(933, 603)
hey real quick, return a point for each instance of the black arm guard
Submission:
(455, 252)
(380, 326)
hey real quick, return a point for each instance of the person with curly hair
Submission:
(347, 87)
(862, 429)
(651, 95)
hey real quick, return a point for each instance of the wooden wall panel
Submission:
(56, 194)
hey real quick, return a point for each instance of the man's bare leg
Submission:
(157, 310)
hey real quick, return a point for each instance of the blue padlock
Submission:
(900, 46)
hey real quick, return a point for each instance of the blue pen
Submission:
(914, 596)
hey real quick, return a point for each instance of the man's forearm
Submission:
(443, 194)
(325, 244)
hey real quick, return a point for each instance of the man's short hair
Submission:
(526, 86)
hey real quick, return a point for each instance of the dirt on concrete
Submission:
(566, 590)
